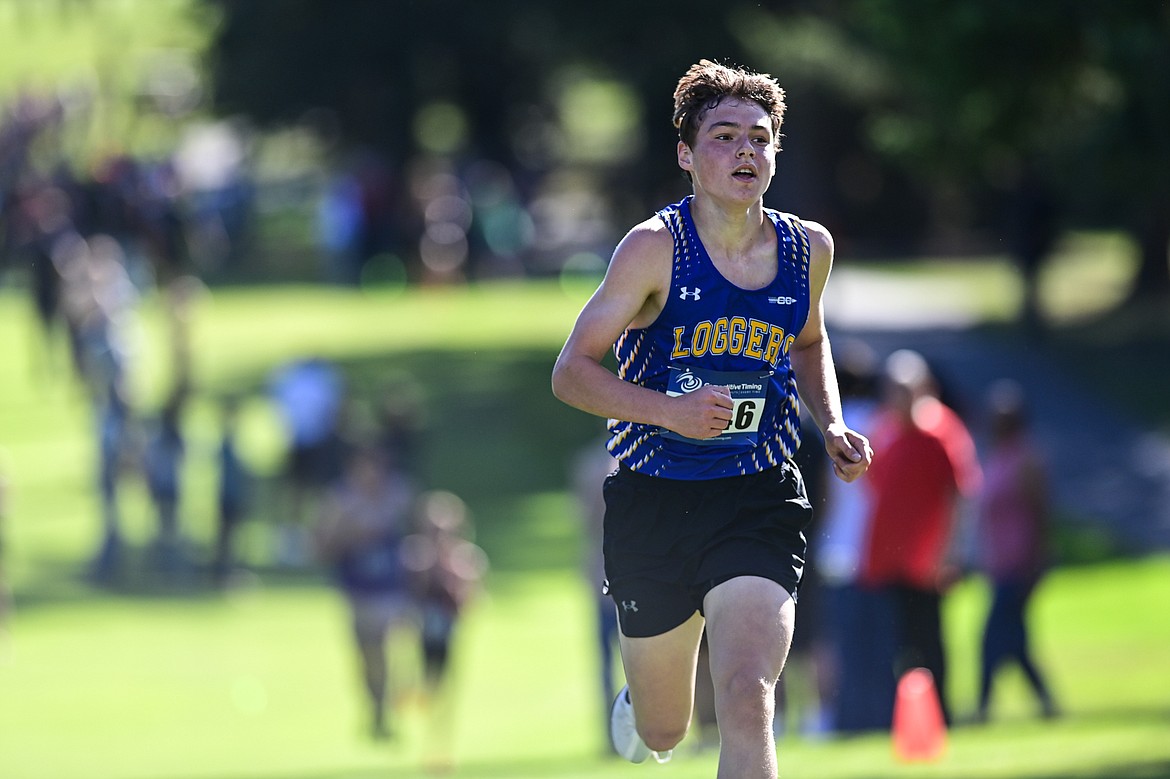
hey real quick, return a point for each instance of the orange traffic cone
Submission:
(919, 731)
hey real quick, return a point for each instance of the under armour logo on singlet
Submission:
(686, 293)
(630, 605)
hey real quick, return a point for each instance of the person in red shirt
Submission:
(928, 467)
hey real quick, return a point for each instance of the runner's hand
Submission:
(702, 414)
(850, 452)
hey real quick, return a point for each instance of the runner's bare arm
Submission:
(816, 376)
(632, 295)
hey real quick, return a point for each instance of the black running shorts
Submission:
(668, 542)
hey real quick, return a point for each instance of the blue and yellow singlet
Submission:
(711, 331)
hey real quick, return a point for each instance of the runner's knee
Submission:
(664, 735)
(745, 696)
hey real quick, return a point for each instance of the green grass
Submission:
(162, 682)
(261, 684)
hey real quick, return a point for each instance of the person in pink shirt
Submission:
(1012, 525)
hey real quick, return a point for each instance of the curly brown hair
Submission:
(707, 83)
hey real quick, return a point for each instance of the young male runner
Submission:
(713, 309)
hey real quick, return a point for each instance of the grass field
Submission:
(156, 681)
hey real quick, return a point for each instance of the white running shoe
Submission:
(623, 733)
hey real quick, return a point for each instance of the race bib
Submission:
(749, 393)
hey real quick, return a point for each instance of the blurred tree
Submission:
(373, 65)
(1127, 147)
(1022, 101)
(997, 118)
(869, 199)
(525, 74)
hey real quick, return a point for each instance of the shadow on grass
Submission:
(57, 583)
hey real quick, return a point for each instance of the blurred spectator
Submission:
(211, 167)
(357, 217)
(363, 523)
(42, 224)
(924, 466)
(5, 584)
(339, 228)
(501, 231)
(797, 698)
(98, 298)
(377, 228)
(162, 226)
(446, 569)
(235, 493)
(836, 552)
(309, 395)
(113, 189)
(114, 447)
(165, 448)
(589, 469)
(163, 467)
(401, 420)
(1012, 534)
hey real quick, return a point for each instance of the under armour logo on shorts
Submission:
(629, 605)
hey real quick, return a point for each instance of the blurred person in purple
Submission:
(364, 519)
(1012, 535)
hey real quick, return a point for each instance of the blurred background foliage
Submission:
(936, 128)
(910, 124)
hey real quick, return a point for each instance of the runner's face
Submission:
(734, 155)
